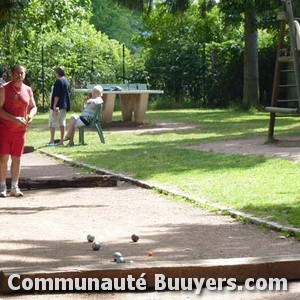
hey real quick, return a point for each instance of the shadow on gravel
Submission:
(167, 242)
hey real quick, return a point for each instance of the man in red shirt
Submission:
(17, 109)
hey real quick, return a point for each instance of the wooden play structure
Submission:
(286, 86)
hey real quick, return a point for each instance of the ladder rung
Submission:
(285, 51)
(285, 59)
(287, 71)
(287, 85)
(281, 16)
(287, 100)
(282, 110)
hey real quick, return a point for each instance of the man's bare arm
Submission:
(32, 110)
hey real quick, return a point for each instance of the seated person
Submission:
(89, 110)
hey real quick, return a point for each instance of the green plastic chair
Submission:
(94, 124)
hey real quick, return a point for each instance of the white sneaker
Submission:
(16, 192)
(3, 191)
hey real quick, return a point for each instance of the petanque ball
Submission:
(96, 246)
(135, 238)
(116, 255)
(90, 238)
(121, 260)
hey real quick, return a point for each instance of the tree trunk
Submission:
(251, 80)
(296, 9)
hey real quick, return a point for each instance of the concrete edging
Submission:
(287, 267)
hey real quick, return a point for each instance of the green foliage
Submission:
(296, 8)
(66, 38)
(224, 75)
(9, 8)
(267, 56)
(135, 67)
(116, 21)
(182, 47)
(188, 57)
(173, 6)
(177, 5)
(63, 13)
(235, 11)
(87, 55)
(38, 17)
(139, 5)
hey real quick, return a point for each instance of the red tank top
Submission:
(16, 103)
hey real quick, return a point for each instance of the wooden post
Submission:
(276, 80)
(295, 53)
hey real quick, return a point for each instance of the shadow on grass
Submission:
(282, 213)
(157, 155)
(148, 159)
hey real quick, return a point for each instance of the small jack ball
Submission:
(90, 238)
(135, 238)
(150, 253)
(96, 246)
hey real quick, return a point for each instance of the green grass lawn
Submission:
(262, 186)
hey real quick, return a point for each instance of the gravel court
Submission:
(47, 230)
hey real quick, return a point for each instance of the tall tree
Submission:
(251, 77)
(254, 14)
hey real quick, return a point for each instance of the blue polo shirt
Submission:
(61, 89)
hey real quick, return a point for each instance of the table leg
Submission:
(126, 107)
(108, 107)
(140, 107)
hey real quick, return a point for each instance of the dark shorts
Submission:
(86, 121)
(11, 142)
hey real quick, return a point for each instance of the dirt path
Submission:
(287, 148)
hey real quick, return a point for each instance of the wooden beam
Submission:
(75, 182)
(282, 110)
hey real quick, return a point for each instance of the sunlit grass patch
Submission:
(262, 186)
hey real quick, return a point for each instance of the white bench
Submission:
(133, 99)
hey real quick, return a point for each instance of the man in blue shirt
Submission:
(60, 104)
